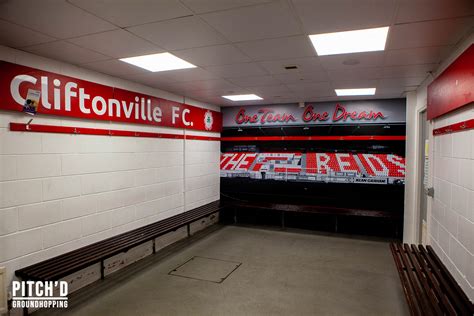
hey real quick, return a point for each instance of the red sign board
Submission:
(387, 111)
(31, 90)
(454, 88)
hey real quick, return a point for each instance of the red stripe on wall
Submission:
(38, 128)
(453, 128)
(293, 138)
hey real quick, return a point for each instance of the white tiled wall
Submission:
(61, 192)
(452, 216)
(451, 211)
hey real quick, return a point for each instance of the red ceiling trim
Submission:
(453, 128)
(39, 128)
(305, 138)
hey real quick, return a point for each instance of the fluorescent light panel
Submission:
(158, 62)
(242, 97)
(362, 91)
(367, 40)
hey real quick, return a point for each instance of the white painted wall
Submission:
(60, 192)
(451, 211)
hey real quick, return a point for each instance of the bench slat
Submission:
(99, 254)
(429, 287)
(65, 264)
(110, 242)
(407, 288)
(428, 299)
(441, 300)
(461, 301)
(417, 292)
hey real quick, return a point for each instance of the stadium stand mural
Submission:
(346, 154)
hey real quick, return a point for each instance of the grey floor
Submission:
(281, 273)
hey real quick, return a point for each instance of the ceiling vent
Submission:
(291, 67)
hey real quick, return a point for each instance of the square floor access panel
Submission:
(206, 269)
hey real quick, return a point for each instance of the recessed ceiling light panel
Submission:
(158, 62)
(242, 97)
(367, 40)
(348, 92)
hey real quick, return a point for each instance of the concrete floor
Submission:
(282, 273)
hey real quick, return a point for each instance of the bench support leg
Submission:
(282, 219)
(189, 229)
(102, 270)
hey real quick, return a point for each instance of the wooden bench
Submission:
(63, 265)
(312, 209)
(429, 287)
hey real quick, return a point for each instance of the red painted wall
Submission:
(454, 87)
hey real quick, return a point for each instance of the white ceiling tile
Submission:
(293, 76)
(364, 60)
(212, 55)
(148, 78)
(307, 64)
(179, 33)
(357, 73)
(322, 88)
(271, 91)
(115, 67)
(178, 87)
(219, 92)
(309, 96)
(284, 99)
(204, 6)
(408, 71)
(117, 44)
(430, 33)
(424, 10)
(344, 15)
(184, 75)
(210, 100)
(354, 84)
(16, 36)
(400, 82)
(128, 13)
(255, 81)
(255, 22)
(413, 56)
(55, 18)
(355, 97)
(278, 48)
(237, 70)
(394, 91)
(218, 84)
(65, 51)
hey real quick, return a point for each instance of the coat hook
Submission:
(28, 124)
